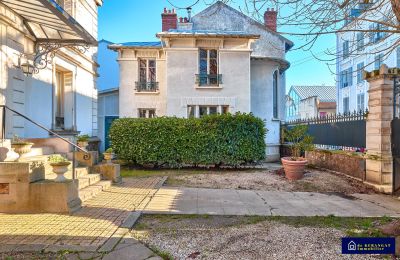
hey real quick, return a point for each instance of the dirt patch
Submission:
(272, 180)
(218, 237)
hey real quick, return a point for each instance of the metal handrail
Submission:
(44, 128)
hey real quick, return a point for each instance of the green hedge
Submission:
(212, 140)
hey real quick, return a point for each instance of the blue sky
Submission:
(138, 20)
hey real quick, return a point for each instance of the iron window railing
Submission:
(208, 79)
(147, 86)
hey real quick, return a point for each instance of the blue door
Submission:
(107, 124)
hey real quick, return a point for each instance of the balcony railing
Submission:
(146, 87)
(208, 79)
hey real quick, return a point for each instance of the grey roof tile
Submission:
(324, 93)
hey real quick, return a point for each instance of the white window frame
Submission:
(220, 109)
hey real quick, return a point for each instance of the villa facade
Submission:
(218, 61)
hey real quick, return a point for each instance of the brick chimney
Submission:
(270, 17)
(169, 20)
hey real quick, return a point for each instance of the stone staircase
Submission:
(89, 184)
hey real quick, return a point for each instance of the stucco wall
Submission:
(182, 66)
(130, 100)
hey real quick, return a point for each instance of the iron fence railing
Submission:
(336, 132)
(208, 79)
(74, 146)
(147, 86)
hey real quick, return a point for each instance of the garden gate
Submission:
(396, 134)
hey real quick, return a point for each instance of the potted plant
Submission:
(20, 146)
(82, 141)
(60, 166)
(299, 141)
(108, 155)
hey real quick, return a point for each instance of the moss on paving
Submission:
(352, 226)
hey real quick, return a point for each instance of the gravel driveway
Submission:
(228, 238)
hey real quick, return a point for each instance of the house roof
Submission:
(220, 4)
(324, 93)
(207, 33)
(136, 45)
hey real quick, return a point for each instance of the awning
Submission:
(48, 22)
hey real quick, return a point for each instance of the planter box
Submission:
(348, 164)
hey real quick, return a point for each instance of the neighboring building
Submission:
(359, 51)
(310, 101)
(108, 84)
(219, 61)
(61, 96)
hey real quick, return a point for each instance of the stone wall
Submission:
(348, 164)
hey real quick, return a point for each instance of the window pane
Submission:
(152, 113)
(203, 66)
(213, 54)
(142, 113)
(213, 67)
(152, 63)
(203, 54)
(213, 110)
(190, 111)
(202, 111)
(142, 77)
(152, 74)
(142, 64)
(225, 109)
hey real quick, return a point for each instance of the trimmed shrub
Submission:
(231, 140)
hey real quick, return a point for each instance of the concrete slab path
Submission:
(267, 203)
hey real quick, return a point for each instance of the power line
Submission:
(181, 8)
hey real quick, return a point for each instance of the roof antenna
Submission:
(189, 11)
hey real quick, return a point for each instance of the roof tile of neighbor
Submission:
(177, 32)
(324, 93)
(138, 44)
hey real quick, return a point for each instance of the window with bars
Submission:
(147, 112)
(204, 110)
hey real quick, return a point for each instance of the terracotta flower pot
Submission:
(21, 148)
(294, 170)
(60, 169)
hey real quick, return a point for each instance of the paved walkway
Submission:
(266, 203)
(98, 226)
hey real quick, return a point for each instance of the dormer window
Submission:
(208, 68)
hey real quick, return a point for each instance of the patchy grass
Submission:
(139, 173)
(163, 254)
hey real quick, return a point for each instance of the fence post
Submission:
(379, 162)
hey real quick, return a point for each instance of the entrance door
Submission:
(107, 124)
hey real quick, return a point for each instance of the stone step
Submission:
(93, 190)
(90, 179)
(36, 151)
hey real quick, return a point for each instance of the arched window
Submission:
(275, 94)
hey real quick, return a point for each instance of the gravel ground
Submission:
(226, 238)
(272, 180)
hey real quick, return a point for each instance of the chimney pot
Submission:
(165, 10)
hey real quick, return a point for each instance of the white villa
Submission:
(48, 66)
(217, 61)
(359, 51)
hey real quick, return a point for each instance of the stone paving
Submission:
(270, 203)
(97, 226)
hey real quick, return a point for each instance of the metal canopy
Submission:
(48, 22)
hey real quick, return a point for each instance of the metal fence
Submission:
(336, 132)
